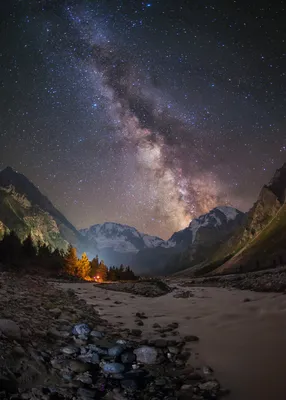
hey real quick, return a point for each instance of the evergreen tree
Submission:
(10, 249)
(71, 261)
(83, 267)
(28, 249)
(94, 267)
(102, 271)
(112, 276)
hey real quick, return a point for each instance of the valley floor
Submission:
(242, 333)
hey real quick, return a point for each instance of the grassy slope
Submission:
(267, 246)
(25, 220)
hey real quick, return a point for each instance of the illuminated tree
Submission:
(94, 266)
(71, 261)
(102, 271)
(83, 267)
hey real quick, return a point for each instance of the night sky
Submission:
(143, 113)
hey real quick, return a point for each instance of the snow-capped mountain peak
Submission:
(121, 238)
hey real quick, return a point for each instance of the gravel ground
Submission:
(55, 346)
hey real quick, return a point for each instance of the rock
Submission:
(113, 368)
(97, 349)
(19, 351)
(10, 329)
(78, 366)
(97, 334)
(70, 350)
(209, 386)
(183, 295)
(146, 355)
(90, 357)
(207, 370)
(86, 394)
(139, 322)
(136, 332)
(81, 329)
(57, 364)
(127, 357)
(122, 341)
(173, 350)
(160, 343)
(56, 312)
(84, 378)
(173, 325)
(129, 384)
(115, 351)
(246, 300)
(156, 325)
(58, 334)
(141, 315)
(191, 338)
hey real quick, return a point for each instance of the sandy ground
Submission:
(244, 342)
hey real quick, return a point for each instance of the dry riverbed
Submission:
(241, 334)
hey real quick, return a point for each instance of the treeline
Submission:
(40, 258)
(29, 255)
(94, 269)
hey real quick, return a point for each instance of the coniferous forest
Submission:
(28, 256)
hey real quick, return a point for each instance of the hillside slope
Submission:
(19, 215)
(24, 209)
(264, 218)
(267, 249)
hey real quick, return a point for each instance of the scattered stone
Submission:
(97, 334)
(183, 295)
(86, 394)
(146, 354)
(191, 338)
(84, 378)
(136, 332)
(10, 329)
(113, 368)
(209, 386)
(115, 351)
(141, 315)
(81, 329)
(148, 288)
(70, 350)
(60, 351)
(127, 357)
(78, 366)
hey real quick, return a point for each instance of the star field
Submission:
(144, 113)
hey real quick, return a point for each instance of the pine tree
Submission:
(10, 248)
(28, 248)
(83, 267)
(102, 271)
(111, 276)
(71, 261)
(94, 267)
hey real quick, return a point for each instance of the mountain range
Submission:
(220, 241)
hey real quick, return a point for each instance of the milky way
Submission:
(148, 113)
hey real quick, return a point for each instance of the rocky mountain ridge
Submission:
(259, 242)
(25, 210)
(193, 244)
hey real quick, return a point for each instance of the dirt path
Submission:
(244, 342)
